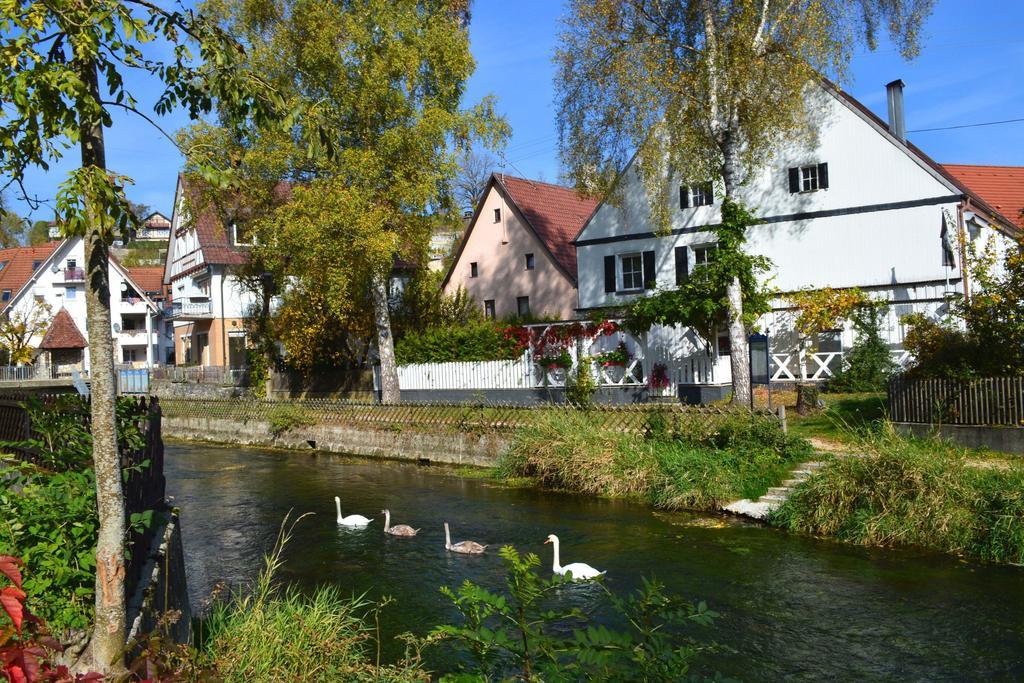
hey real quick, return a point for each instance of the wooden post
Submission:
(781, 412)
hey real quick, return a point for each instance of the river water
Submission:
(793, 608)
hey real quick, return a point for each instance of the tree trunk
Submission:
(739, 359)
(389, 389)
(108, 637)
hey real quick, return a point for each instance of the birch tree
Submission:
(705, 89)
(62, 73)
(382, 80)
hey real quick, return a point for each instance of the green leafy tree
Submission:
(62, 75)
(984, 336)
(12, 226)
(382, 83)
(39, 233)
(704, 89)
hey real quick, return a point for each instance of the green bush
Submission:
(477, 340)
(680, 462)
(921, 492)
(525, 634)
(869, 364)
(50, 521)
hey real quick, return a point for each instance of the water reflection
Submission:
(792, 607)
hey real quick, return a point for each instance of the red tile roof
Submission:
(149, 278)
(213, 235)
(16, 265)
(1002, 187)
(555, 213)
(63, 333)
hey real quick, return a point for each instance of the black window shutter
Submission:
(650, 277)
(609, 273)
(794, 180)
(682, 265)
(823, 176)
(684, 197)
(711, 192)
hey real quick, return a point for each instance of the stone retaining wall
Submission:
(1004, 439)
(455, 448)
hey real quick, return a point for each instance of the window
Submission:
(530, 263)
(241, 237)
(6, 295)
(71, 264)
(696, 195)
(808, 178)
(724, 345)
(129, 355)
(523, 306)
(35, 265)
(72, 293)
(497, 215)
(704, 254)
(489, 309)
(631, 272)
(473, 269)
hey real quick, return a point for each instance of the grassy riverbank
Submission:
(675, 464)
(917, 492)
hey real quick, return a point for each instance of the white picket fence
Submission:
(494, 374)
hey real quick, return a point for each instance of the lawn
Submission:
(843, 416)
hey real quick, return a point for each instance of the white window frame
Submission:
(490, 311)
(621, 271)
(707, 249)
(701, 195)
(235, 240)
(810, 181)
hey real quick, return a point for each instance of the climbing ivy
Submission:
(700, 302)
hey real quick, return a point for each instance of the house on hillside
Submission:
(516, 258)
(208, 303)
(156, 227)
(57, 283)
(859, 207)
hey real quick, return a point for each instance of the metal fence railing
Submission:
(203, 374)
(992, 401)
(446, 416)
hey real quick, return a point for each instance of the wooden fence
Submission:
(483, 417)
(993, 401)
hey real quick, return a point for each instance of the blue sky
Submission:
(969, 71)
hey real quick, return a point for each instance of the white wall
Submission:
(894, 252)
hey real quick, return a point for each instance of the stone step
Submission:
(752, 509)
(772, 498)
(779, 491)
(791, 483)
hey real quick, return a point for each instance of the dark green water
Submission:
(792, 608)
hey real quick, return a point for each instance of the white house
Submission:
(208, 304)
(58, 281)
(858, 207)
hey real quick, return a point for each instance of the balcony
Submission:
(137, 337)
(187, 310)
(74, 276)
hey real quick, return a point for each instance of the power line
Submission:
(966, 125)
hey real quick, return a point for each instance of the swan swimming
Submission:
(351, 520)
(398, 529)
(464, 547)
(577, 571)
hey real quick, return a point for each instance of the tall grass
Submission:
(919, 492)
(678, 463)
(274, 634)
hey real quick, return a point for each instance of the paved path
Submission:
(775, 496)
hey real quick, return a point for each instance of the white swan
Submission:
(351, 520)
(464, 547)
(577, 571)
(398, 529)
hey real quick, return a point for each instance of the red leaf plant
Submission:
(25, 643)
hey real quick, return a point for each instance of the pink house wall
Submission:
(499, 249)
